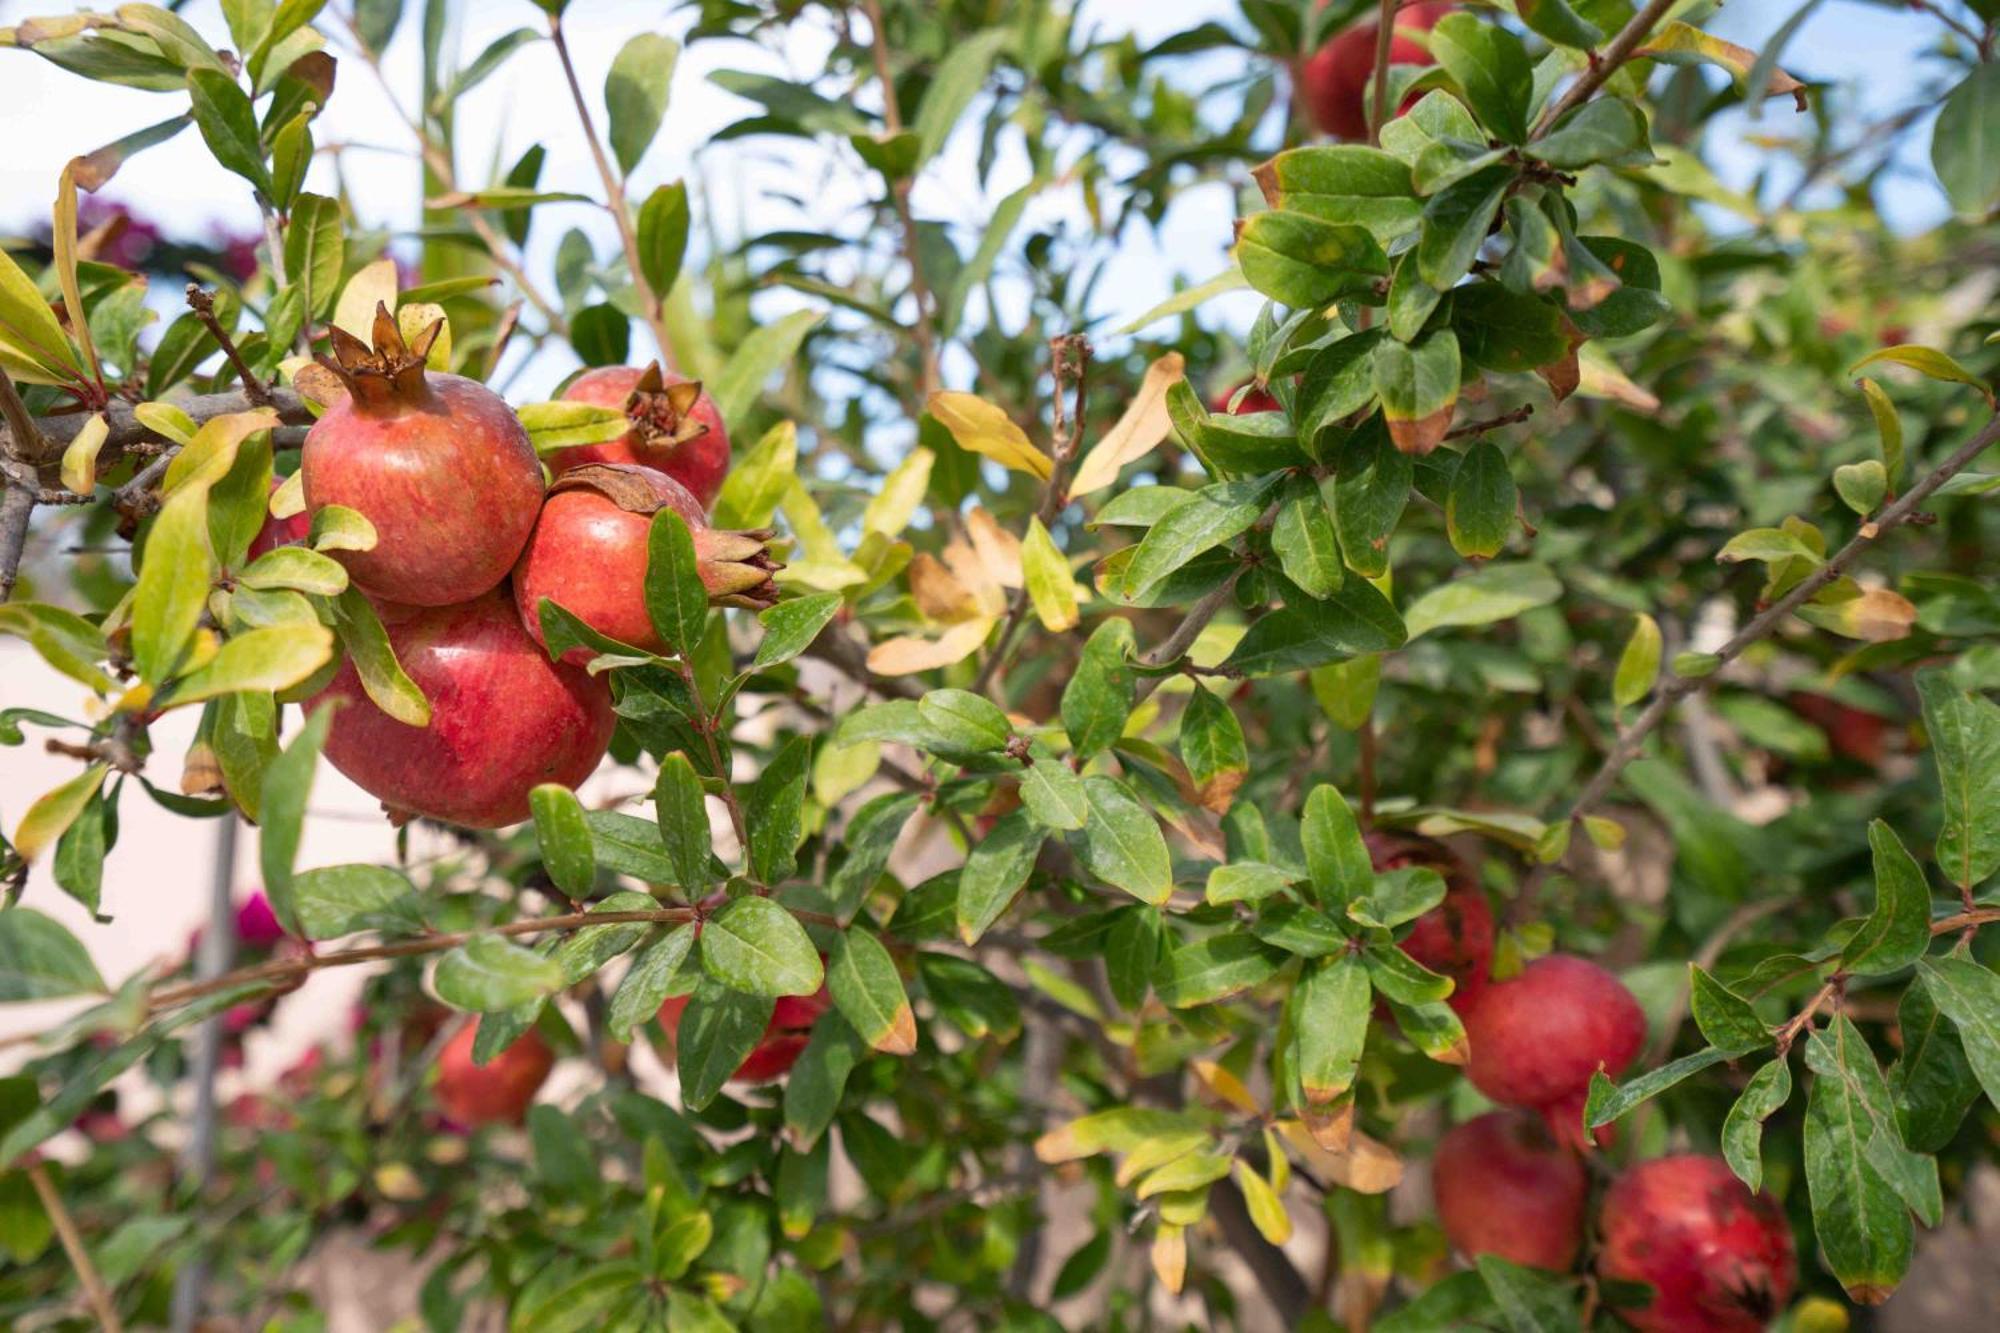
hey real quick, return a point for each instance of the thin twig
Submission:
(1519, 414)
(1605, 63)
(1184, 635)
(87, 1276)
(892, 119)
(652, 302)
(1385, 41)
(203, 306)
(1971, 920)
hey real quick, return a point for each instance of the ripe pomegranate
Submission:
(588, 553)
(1537, 1038)
(1852, 732)
(1718, 1258)
(785, 1036)
(438, 463)
(1455, 938)
(278, 532)
(1334, 80)
(1259, 399)
(1504, 1187)
(498, 1092)
(676, 428)
(504, 718)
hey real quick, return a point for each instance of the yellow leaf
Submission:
(984, 429)
(166, 419)
(1364, 1165)
(998, 549)
(892, 505)
(1877, 615)
(1137, 433)
(1600, 377)
(373, 284)
(1266, 1209)
(212, 451)
(973, 573)
(290, 497)
(908, 654)
(938, 593)
(79, 460)
(64, 245)
(412, 320)
(1678, 38)
(1046, 571)
(54, 811)
(1225, 1085)
(1170, 1256)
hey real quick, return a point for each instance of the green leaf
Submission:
(1211, 969)
(1131, 952)
(1337, 860)
(1862, 486)
(975, 1001)
(1344, 183)
(755, 946)
(338, 528)
(1097, 701)
(228, 124)
(367, 646)
(644, 989)
(775, 811)
(1457, 221)
(1888, 426)
(1216, 514)
(1965, 144)
(269, 659)
(1397, 896)
(79, 861)
(581, 954)
(1244, 882)
(1303, 537)
(1969, 995)
(298, 568)
(955, 81)
(315, 249)
(40, 960)
(1862, 1226)
(1769, 545)
(757, 357)
(790, 627)
(1339, 381)
(1932, 1080)
(663, 235)
(869, 838)
(1898, 930)
(1479, 512)
(27, 323)
(1491, 67)
(564, 838)
(1610, 130)
(287, 787)
(340, 900)
(967, 723)
(1301, 261)
(862, 978)
(1925, 361)
(173, 584)
(1531, 1300)
(1724, 1017)
(995, 870)
(1639, 663)
(490, 973)
(1964, 731)
(1298, 929)
(1557, 21)
(682, 813)
(1743, 1128)
(635, 96)
(564, 425)
(1212, 746)
(1329, 1024)
(1053, 793)
(1354, 620)
(1497, 592)
(1373, 487)
(719, 1028)
(1122, 844)
(676, 600)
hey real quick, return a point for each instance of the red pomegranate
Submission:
(438, 463)
(1537, 1038)
(498, 1092)
(676, 428)
(1258, 399)
(504, 718)
(1334, 80)
(1455, 938)
(278, 532)
(1718, 1258)
(588, 553)
(1852, 732)
(785, 1036)
(1504, 1187)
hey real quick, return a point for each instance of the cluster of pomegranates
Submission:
(443, 469)
(1512, 1183)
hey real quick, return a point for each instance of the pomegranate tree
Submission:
(1505, 1187)
(589, 549)
(676, 427)
(1718, 1258)
(498, 1092)
(438, 463)
(504, 718)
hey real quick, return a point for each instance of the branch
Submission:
(87, 1276)
(1385, 41)
(614, 198)
(899, 190)
(1607, 62)
(1679, 687)
(127, 429)
(203, 306)
(1184, 635)
(1971, 920)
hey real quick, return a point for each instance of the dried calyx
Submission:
(736, 567)
(663, 413)
(392, 371)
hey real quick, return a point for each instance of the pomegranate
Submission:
(1718, 1258)
(1852, 732)
(785, 1036)
(1455, 938)
(278, 532)
(504, 718)
(498, 1092)
(1333, 81)
(676, 428)
(1505, 1187)
(1537, 1038)
(438, 463)
(1259, 399)
(588, 553)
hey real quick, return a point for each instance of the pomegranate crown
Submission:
(391, 371)
(735, 567)
(663, 413)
